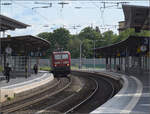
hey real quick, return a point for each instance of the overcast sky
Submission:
(79, 14)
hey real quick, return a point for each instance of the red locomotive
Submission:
(61, 62)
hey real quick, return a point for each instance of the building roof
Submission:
(7, 23)
(137, 17)
(25, 43)
(131, 44)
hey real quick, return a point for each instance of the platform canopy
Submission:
(7, 23)
(132, 46)
(24, 45)
(137, 17)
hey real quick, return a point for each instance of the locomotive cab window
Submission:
(57, 57)
(62, 56)
(65, 56)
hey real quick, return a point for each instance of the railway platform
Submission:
(133, 98)
(22, 84)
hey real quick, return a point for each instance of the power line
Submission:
(34, 11)
(76, 0)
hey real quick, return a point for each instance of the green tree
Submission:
(90, 33)
(74, 46)
(45, 35)
(145, 33)
(49, 37)
(108, 38)
(87, 48)
(61, 38)
(124, 35)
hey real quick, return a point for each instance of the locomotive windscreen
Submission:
(60, 56)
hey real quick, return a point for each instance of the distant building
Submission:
(137, 17)
(19, 51)
(121, 26)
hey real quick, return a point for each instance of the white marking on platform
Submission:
(106, 110)
(145, 94)
(25, 82)
(135, 98)
(145, 105)
(129, 95)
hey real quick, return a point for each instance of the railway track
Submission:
(56, 103)
(52, 90)
(107, 88)
(82, 94)
(89, 88)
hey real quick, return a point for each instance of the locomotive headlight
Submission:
(55, 65)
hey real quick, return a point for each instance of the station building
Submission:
(19, 51)
(132, 55)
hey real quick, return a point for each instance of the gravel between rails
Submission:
(78, 96)
(55, 103)
(36, 98)
(55, 100)
(83, 85)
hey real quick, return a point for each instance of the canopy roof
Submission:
(129, 45)
(137, 17)
(7, 23)
(25, 44)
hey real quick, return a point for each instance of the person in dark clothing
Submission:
(7, 70)
(35, 68)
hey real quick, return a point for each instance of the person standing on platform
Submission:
(7, 70)
(35, 68)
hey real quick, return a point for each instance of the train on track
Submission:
(60, 63)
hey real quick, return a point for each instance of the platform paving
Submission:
(3, 83)
(21, 84)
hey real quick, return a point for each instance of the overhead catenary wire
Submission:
(84, 3)
(0, 31)
(34, 11)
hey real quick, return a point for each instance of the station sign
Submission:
(143, 48)
(8, 50)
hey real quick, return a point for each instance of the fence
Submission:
(86, 63)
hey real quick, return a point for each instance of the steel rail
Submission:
(84, 99)
(96, 76)
(41, 111)
(37, 100)
(113, 89)
(30, 95)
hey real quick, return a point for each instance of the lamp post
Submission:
(0, 36)
(94, 51)
(80, 55)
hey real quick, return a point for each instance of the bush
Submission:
(1, 69)
(45, 68)
(9, 98)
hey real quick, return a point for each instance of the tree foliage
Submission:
(61, 38)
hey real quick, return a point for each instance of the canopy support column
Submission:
(106, 63)
(110, 63)
(126, 62)
(115, 63)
